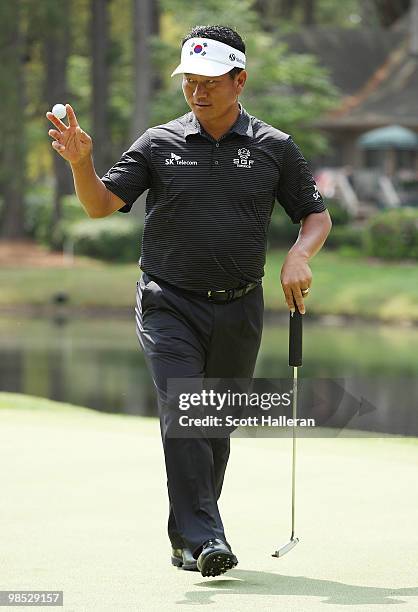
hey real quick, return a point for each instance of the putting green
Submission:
(83, 509)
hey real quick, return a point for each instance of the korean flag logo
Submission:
(198, 48)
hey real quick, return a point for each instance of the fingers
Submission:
(296, 279)
(80, 135)
(289, 298)
(57, 122)
(299, 300)
(295, 298)
(57, 146)
(54, 134)
(72, 119)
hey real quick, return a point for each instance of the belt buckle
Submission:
(210, 292)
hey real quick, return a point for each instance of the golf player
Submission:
(213, 176)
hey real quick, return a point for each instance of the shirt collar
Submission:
(242, 125)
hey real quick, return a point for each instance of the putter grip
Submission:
(295, 338)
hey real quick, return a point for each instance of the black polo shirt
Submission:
(209, 202)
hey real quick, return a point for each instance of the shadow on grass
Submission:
(265, 583)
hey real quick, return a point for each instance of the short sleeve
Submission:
(131, 175)
(296, 189)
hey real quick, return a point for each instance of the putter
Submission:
(295, 360)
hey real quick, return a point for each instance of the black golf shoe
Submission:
(182, 557)
(216, 558)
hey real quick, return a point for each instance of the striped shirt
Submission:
(210, 201)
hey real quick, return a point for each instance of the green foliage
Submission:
(79, 81)
(188, 14)
(121, 90)
(112, 239)
(393, 234)
(39, 211)
(282, 232)
(345, 236)
(343, 14)
(289, 91)
(338, 214)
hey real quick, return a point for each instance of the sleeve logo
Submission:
(316, 194)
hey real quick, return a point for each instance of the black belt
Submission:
(213, 295)
(227, 295)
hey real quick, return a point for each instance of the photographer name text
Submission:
(254, 421)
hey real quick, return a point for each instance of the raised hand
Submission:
(70, 141)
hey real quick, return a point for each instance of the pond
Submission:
(97, 363)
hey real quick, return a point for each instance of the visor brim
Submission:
(204, 68)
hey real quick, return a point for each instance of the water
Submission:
(97, 363)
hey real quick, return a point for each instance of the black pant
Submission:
(185, 336)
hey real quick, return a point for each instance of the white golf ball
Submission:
(59, 111)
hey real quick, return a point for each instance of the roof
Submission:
(366, 48)
(379, 82)
(388, 97)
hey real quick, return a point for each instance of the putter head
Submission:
(285, 549)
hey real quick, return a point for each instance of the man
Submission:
(213, 176)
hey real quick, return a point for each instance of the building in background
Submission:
(376, 70)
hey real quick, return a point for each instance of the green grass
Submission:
(100, 284)
(347, 285)
(342, 285)
(84, 510)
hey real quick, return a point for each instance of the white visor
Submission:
(208, 57)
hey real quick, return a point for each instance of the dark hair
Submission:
(222, 34)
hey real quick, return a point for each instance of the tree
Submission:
(309, 12)
(273, 12)
(12, 155)
(56, 48)
(156, 81)
(100, 78)
(142, 30)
